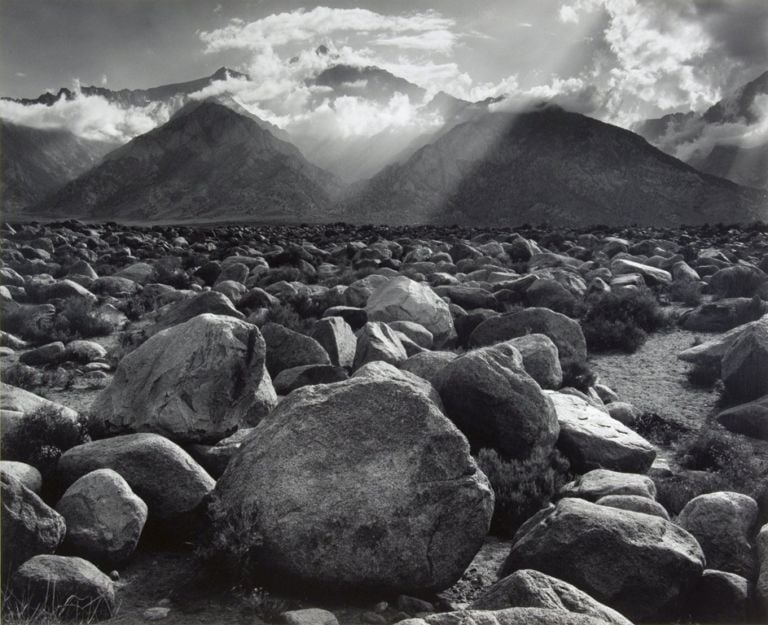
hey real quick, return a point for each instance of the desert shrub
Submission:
(135, 307)
(278, 274)
(621, 320)
(75, 319)
(703, 374)
(687, 292)
(265, 605)
(522, 487)
(20, 375)
(733, 461)
(230, 543)
(286, 315)
(658, 430)
(577, 374)
(22, 611)
(42, 436)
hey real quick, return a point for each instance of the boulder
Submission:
(510, 616)
(564, 332)
(380, 370)
(623, 412)
(599, 483)
(362, 484)
(414, 332)
(290, 379)
(710, 353)
(722, 315)
(70, 587)
(104, 518)
(428, 365)
(497, 405)
(745, 364)
(160, 472)
(194, 382)
(540, 359)
(206, 302)
(720, 597)
(635, 503)
(761, 588)
(28, 475)
(377, 341)
(309, 616)
(84, 351)
(652, 275)
(638, 564)
(591, 439)
(403, 299)
(29, 526)
(750, 419)
(724, 524)
(337, 338)
(49, 354)
(527, 588)
(737, 281)
(287, 349)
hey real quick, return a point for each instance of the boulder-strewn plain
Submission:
(382, 424)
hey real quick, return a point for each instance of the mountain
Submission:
(36, 162)
(717, 141)
(548, 165)
(135, 97)
(206, 163)
(371, 82)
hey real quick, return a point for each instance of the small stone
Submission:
(114, 575)
(155, 614)
(373, 619)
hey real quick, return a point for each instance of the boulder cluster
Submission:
(312, 400)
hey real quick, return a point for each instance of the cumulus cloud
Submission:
(90, 117)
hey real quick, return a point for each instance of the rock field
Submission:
(326, 424)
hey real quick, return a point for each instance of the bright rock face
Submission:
(195, 382)
(362, 484)
(590, 438)
(403, 299)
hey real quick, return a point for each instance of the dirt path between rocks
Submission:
(653, 379)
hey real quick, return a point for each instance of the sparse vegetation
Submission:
(75, 319)
(621, 320)
(20, 375)
(577, 374)
(687, 292)
(522, 488)
(42, 436)
(658, 430)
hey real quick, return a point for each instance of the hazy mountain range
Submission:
(215, 160)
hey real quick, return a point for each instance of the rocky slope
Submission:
(207, 163)
(35, 162)
(548, 165)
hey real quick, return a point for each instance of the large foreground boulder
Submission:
(104, 518)
(724, 523)
(72, 587)
(638, 564)
(362, 484)
(166, 477)
(591, 439)
(509, 616)
(564, 332)
(403, 299)
(194, 382)
(531, 589)
(601, 483)
(491, 398)
(750, 419)
(29, 526)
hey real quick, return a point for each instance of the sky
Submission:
(617, 60)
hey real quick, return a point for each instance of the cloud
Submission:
(319, 23)
(439, 41)
(217, 8)
(90, 117)
(21, 75)
(104, 79)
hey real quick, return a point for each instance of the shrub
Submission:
(135, 307)
(42, 436)
(20, 376)
(621, 320)
(577, 374)
(658, 430)
(727, 456)
(285, 314)
(703, 374)
(75, 319)
(231, 541)
(522, 487)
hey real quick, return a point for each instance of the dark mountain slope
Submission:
(35, 162)
(548, 165)
(207, 163)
